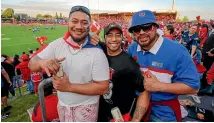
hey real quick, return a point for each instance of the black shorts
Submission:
(4, 91)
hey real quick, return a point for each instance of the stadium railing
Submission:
(41, 97)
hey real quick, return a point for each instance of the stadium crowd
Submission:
(196, 37)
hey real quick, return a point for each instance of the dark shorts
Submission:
(4, 91)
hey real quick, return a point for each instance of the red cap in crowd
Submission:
(25, 57)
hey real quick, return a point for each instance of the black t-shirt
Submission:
(209, 44)
(15, 63)
(126, 79)
(9, 68)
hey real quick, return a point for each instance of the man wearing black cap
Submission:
(125, 80)
(168, 68)
(85, 67)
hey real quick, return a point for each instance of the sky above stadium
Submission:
(190, 8)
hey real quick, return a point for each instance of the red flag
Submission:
(198, 18)
(41, 40)
(126, 34)
(95, 26)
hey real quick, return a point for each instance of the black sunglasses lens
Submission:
(76, 8)
(147, 28)
(86, 9)
(137, 29)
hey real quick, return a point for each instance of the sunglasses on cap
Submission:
(147, 28)
(80, 8)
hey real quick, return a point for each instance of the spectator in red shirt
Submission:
(203, 34)
(23, 66)
(36, 77)
(23, 54)
(168, 32)
(50, 106)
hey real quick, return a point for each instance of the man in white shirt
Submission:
(85, 66)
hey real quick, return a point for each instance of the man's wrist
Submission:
(161, 87)
(70, 87)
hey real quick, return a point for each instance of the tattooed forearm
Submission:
(139, 113)
(35, 58)
(34, 64)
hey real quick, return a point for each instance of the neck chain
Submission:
(74, 52)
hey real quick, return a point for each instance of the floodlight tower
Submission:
(173, 5)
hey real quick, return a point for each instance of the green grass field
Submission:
(15, 40)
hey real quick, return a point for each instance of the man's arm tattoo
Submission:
(139, 113)
(34, 58)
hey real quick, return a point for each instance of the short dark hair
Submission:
(16, 56)
(170, 28)
(31, 51)
(3, 55)
(194, 25)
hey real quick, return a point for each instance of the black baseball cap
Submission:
(80, 8)
(112, 26)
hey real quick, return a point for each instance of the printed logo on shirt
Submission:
(143, 71)
(111, 73)
(157, 64)
(107, 96)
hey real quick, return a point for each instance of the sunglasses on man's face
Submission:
(82, 8)
(147, 28)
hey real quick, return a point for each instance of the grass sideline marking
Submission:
(5, 39)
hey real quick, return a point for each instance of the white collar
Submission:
(154, 48)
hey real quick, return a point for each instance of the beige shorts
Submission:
(82, 113)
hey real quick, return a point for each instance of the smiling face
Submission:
(166, 31)
(78, 26)
(113, 41)
(146, 38)
(193, 29)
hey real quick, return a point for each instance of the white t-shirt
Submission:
(89, 64)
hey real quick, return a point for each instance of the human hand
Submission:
(51, 65)
(210, 54)
(95, 38)
(61, 83)
(10, 83)
(151, 83)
